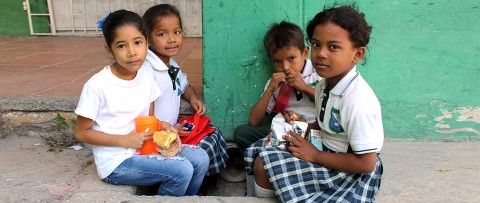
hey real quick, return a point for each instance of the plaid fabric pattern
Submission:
(295, 180)
(250, 154)
(216, 148)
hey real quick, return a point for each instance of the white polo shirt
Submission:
(352, 115)
(303, 106)
(167, 106)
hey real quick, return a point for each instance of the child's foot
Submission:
(209, 185)
(147, 190)
(235, 170)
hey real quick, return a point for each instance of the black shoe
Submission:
(209, 184)
(147, 190)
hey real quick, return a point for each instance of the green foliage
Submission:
(64, 138)
(60, 122)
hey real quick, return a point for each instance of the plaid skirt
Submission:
(296, 180)
(216, 148)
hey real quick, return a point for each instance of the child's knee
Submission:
(237, 132)
(258, 166)
(185, 169)
(239, 136)
(197, 156)
(203, 158)
(258, 169)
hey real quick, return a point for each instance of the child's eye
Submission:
(161, 34)
(121, 46)
(138, 42)
(178, 32)
(315, 44)
(333, 47)
(292, 58)
(275, 62)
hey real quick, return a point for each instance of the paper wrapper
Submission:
(174, 148)
(280, 128)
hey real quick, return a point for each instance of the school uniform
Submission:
(350, 119)
(245, 135)
(173, 82)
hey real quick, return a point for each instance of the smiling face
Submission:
(289, 58)
(166, 38)
(129, 48)
(333, 54)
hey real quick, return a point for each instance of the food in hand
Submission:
(164, 138)
(168, 143)
(294, 117)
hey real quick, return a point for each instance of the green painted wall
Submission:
(423, 62)
(14, 20)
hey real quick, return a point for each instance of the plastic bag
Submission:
(280, 128)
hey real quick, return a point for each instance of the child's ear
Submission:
(109, 50)
(359, 54)
(306, 50)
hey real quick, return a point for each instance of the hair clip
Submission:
(100, 22)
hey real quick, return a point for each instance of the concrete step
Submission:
(34, 131)
(38, 116)
(33, 173)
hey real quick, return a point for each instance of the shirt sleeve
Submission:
(149, 73)
(364, 128)
(89, 103)
(182, 78)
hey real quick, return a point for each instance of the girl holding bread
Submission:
(110, 102)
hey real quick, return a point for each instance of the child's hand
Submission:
(300, 147)
(295, 80)
(291, 116)
(167, 127)
(182, 128)
(198, 106)
(276, 80)
(136, 140)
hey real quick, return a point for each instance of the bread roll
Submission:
(163, 138)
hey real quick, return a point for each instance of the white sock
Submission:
(263, 192)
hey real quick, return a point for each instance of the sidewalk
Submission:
(57, 67)
(413, 172)
(61, 65)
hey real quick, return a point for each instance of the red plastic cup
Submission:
(141, 125)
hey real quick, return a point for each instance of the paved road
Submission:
(413, 172)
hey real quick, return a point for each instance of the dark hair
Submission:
(155, 13)
(346, 17)
(283, 35)
(118, 19)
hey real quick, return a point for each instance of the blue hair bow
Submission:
(100, 22)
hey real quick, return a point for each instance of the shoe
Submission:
(233, 175)
(209, 184)
(235, 170)
(146, 190)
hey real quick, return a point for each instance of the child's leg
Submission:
(245, 135)
(263, 187)
(261, 178)
(174, 173)
(199, 159)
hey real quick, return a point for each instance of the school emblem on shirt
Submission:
(335, 121)
(314, 83)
